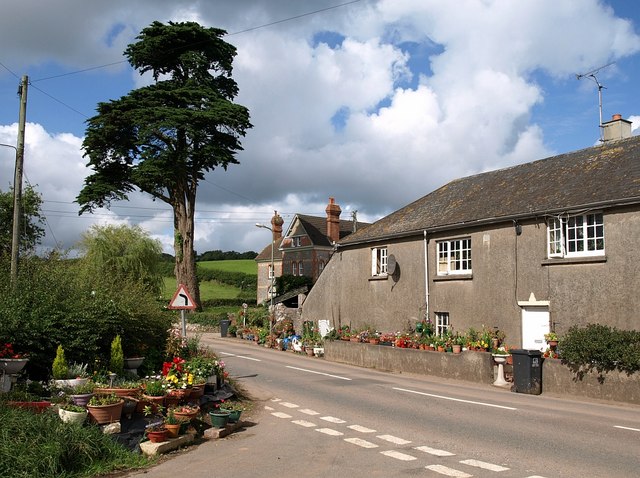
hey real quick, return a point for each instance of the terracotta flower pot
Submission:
(103, 414)
(173, 429)
(157, 436)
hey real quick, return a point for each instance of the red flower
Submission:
(6, 351)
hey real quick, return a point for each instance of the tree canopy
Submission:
(161, 139)
(31, 231)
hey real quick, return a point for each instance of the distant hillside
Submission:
(246, 266)
(219, 255)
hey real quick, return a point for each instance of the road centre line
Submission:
(627, 428)
(394, 440)
(484, 404)
(289, 405)
(329, 431)
(484, 465)
(445, 470)
(281, 415)
(241, 356)
(332, 419)
(308, 411)
(304, 423)
(361, 429)
(319, 373)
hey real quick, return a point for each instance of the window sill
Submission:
(574, 260)
(451, 277)
(374, 278)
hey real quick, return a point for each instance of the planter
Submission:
(179, 393)
(219, 418)
(12, 366)
(157, 436)
(318, 351)
(76, 418)
(374, 341)
(35, 407)
(186, 416)
(103, 414)
(552, 343)
(456, 349)
(173, 429)
(81, 399)
(154, 400)
(309, 351)
(234, 415)
(196, 392)
(133, 362)
(119, 392)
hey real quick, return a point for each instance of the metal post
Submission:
(272, 276)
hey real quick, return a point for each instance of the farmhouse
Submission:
(527, 249)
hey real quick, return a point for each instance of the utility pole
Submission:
(17, 180)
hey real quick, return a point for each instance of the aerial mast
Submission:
(592, 75)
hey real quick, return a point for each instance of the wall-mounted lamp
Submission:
(518, 227)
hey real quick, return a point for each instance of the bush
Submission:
(53, 304)
(601, 348)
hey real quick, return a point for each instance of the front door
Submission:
(535, 323)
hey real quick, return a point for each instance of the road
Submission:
(322, 419)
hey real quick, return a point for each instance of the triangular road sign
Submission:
(182, 299)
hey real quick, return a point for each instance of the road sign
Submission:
(182, 299)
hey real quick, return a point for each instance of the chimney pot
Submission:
(333, 220)
(616, 117)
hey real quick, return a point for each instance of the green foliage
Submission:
(286, 283)
(30, 229)
(42, 446)
(237, 279)
(116, 361)
(81, 317)
(60, 369)
(122, 254)
(218, 255)
(601, 348)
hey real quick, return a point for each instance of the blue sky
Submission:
(373, 102)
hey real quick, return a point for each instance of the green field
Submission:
(214, 290)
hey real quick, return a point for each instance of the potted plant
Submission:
(551, 338)
(76, 374)
(81, 393)
(11, 362)
(116, 361)
(172, 424)
(185, 412)
(235, 409)
(105, 408)
(74, 414)
(156, 433)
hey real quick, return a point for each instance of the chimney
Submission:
(333, 220)
(617, 128)
(276, 225)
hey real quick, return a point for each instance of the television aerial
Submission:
(592, 75)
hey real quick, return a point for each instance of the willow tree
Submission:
(161, 139)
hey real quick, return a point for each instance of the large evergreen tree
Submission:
(162, 139)
(31, 231)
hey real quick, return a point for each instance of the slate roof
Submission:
(265, 254)
(600, 176)
(316, 228)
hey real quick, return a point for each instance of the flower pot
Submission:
(173, 429)
(157, 436)
(35, 407)
(186, 415)
(234, 415)
(154, 400)
(552, 343)
(120, 392)
(103, 414)
(456, 349)
(12, 366)
(196, 392)
(219, 418)
(76, 418)
(71, 382)
(81, 399)
(133, 362)
(309, 351)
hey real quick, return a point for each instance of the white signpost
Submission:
(182, 301)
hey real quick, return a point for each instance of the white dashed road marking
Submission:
(444, 470)
(318, 373)
(394, 440)
(289, 405)
(361, 442)
(627, 428)
(433, 451)
(329, 431)
(304, 423)
(266, 407)
(484, 465)
(398, 456)
(361, 429)
(276, 399)
(309, 412)
(281, 415)
(332, 419)
(484, 404)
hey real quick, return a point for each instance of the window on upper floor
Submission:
(454, 256)
(576, 236)
(270, 272)
(379, 261)
(300, 268)
(442, 323)
(296, 241)
(294, 268)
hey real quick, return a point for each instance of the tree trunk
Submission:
(185, 267)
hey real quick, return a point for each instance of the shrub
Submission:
(116, 363)
(601, 348)
(60, 369)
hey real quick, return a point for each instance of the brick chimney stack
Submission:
(276, 225)
(333, 220)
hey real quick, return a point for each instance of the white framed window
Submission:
(442, 323)
(300, 268)
(296, 241)
(294, 268)
(454, 256)
(270, 272)
(576, 236)
(379, 261)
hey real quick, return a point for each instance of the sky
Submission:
(373, 102)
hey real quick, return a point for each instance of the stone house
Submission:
(527, 249)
